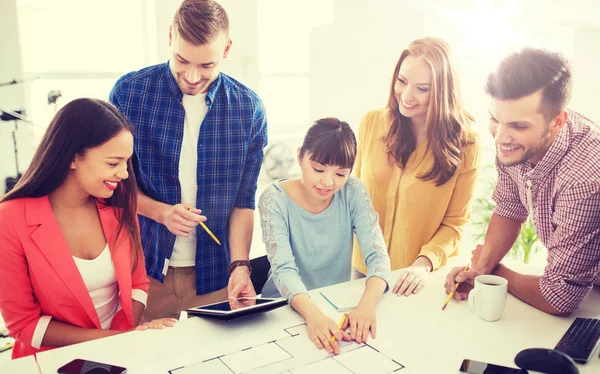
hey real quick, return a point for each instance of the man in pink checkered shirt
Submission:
(548, 163)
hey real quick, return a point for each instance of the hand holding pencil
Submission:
(452, 292)
(322, 331)
(466, 277)
(201, 223)
(340, 324)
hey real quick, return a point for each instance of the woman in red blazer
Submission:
(71, 264)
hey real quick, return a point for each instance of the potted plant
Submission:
(527, 242)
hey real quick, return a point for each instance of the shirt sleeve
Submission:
(574, 247)
(20, 310)
(40, 331)
(247, 192)
(365, 223)
(139, 279)
(113, 96)
(275, 228)
(446, 239)
(506, 196)
(141, 178)
(140, 296)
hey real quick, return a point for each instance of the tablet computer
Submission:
(243, 306)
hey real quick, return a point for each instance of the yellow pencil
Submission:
(339, 326)
(452, 293)
(207, 230)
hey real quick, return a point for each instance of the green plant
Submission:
(527, 242)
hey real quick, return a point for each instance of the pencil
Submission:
(339, 326)
(452, 293)
(207, 230)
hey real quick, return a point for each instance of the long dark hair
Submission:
(448, 123)
(80, 125)
(330, 142)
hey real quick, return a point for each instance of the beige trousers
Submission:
(177, 293)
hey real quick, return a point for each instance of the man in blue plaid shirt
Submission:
(199, 140)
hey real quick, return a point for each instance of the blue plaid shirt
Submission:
(230, 152)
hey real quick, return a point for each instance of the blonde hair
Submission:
(448, 123)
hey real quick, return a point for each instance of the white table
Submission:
(24, 365)
(414, 331)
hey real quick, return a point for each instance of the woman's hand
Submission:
(321, 329)
(156, 324)
(361, 320)
(414, 278)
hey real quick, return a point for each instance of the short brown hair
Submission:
(200, 21)
(330, 142)
(528, 71)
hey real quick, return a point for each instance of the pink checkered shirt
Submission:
(562, 194)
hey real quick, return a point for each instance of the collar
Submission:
(176, 91)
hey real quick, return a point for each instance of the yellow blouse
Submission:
(417, 217)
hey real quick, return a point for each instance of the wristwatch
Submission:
(236, 263)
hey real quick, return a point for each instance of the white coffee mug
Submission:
(488, 297)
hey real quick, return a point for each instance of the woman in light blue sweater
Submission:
(308, 226)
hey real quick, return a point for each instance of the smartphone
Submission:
(80, 366)
(478, 367)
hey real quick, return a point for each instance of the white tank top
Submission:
(100, 280)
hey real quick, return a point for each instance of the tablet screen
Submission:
(226, 306)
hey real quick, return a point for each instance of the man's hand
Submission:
(240, 284)
(181, 219)
(466, 280)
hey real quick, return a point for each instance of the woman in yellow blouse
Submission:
(418, 158)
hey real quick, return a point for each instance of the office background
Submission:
(306, 59)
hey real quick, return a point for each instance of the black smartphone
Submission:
(478, 367)
(80, 366)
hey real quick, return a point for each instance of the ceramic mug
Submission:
(488, 297)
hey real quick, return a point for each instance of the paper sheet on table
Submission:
(214, 366)
(323, 366)
(367, 360)
(255, 357)
(344, 300)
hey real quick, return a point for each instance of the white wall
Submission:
(352, 59)
(343, 59)
(11, 97)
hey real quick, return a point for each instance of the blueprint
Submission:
(294, 353)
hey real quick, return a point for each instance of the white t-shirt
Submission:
(184, 250)
(100, 280)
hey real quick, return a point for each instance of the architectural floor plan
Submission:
(296, 354)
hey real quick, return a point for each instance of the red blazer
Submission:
(38, 275)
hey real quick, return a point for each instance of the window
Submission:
(80, 48)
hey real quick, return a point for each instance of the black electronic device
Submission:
(243, 306)
(546, 361)
(79, 366)
(581, 339)
(479, 367)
